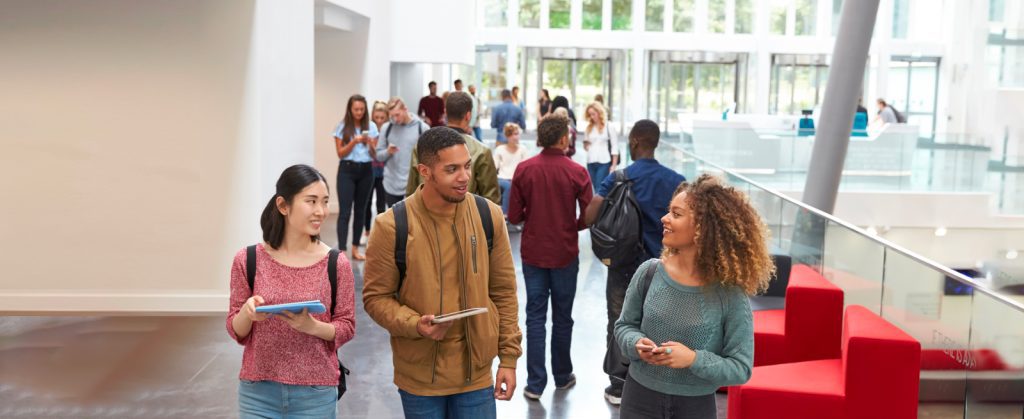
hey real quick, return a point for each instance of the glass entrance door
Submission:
(578, 80)
(913, 90)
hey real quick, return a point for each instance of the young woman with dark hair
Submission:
(290, 361)
(353, 140)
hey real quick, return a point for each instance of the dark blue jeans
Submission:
(598, 171)
(478, 133)
(469, 405)
(560, 285)
(506, 191)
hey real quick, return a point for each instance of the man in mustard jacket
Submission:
(447, 365)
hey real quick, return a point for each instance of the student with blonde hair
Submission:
(601, 143)
(507, 157)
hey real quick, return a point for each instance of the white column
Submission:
(730, 16)
(512, 67)
(668, 15)
(700, 16)
(606, 15)
(545, 14)
(576, 15)
(513, 13)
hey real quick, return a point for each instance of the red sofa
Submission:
(807, 329)
(875, 377)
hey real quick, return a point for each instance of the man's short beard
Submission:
(452, 199)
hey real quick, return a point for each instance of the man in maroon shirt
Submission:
(547, 190)
(432, 107)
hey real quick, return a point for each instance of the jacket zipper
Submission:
(462, 306)
(472, 240)
(440, 305)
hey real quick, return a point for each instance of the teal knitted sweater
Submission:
(714, 321)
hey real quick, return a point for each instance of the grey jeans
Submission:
(641, 402)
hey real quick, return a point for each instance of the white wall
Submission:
(437, 31)
(141, 140)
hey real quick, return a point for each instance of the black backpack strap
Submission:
(387, 134)
(250, 268)
(332, 276)
(646, 284)
(401, 236)
(485, 218)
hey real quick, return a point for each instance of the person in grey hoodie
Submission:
(395, 147)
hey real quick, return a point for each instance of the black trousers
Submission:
(641, 402)
(378, 192)
(393, 199)
(355, 182)
(615, 364)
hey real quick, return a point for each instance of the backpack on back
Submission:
(402, 231)
(616, 236)
(332, 277)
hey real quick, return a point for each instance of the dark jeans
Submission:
(615, 364)
(378, 191)
(478, 133)
(391, 200)
(641, 402)
(598, 171)
(355, 182)
(506, 192)
(560, 285)
(477, 404)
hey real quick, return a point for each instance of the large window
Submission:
(622, 15)
(682, 15)
(529, 13)
(690, 83)
(744, 16)
(798, 83)
(917, 19)
(1004, 55)
(655, 16)
(592, 14)
(491, 69)
(495, 13)
(716, 16)
(778, 12)
(802, 13)
(558, 14)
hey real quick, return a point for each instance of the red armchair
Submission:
(876, 377)
(807, 329)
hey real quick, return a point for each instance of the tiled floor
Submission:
(172, 367)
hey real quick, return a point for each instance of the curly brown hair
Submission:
(731, 238)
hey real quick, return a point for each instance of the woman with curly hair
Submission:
(688, 329)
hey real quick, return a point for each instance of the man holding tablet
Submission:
(447, 262)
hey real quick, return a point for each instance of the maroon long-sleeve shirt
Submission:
(549, 192)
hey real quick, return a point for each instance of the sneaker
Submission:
(568, 384)
(613, 395)
(531, 395)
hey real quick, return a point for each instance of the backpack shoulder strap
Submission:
(401, 236)
(332, 276)
(646, 284)
(620, 175)
(485, 218)
(387, 134)
(250, 267)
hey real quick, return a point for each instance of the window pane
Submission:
(716, 16)
(744, 16)
(622, 15)
(682, 16)
(900, 9)
(922, 87)
(806, 16)
(804, 92)
(558, 16)
(592, 14)
(655, 16)
(778, 17)
(529, 13)
(557, 74)
(495, 13)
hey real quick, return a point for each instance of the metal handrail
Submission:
(916, 257)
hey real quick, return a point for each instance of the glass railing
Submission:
(972, 338)
(892, 158)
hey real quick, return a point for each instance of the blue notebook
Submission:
(314, 307)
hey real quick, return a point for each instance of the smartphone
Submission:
(646, 348)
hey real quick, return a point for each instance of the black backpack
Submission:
(332, 276)
(402, 232)
(616, 236)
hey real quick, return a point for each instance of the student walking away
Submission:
(507, 158)
(484, 176)
(506, 112)
(560, 102)
(431, 107)
(686, 324)
(395, 148)
(477, 110)
(543, 105)
(353, 140)
(439, 251)
(547, 191)
(601, 143)
(564, 113)
(379, 116)
(290, 362)
(650, 185)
